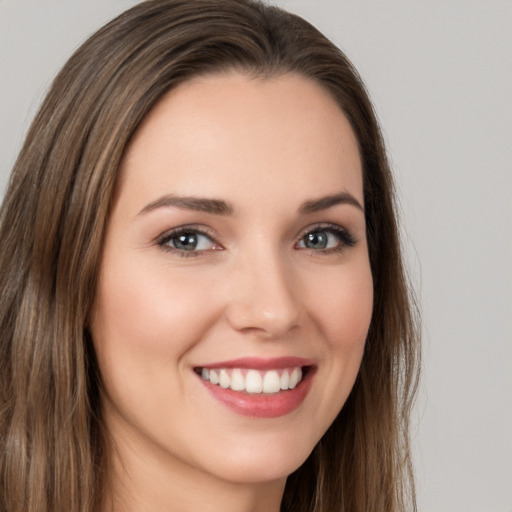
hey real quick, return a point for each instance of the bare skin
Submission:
(237, 231)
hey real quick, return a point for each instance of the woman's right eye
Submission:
(188, 242)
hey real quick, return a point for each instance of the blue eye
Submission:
(327, 239)
(187, 240)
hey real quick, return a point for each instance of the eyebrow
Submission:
(323, 203)
(220, 207)
(198, 204)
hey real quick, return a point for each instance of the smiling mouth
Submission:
(252, 381)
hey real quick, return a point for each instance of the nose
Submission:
(262, 298)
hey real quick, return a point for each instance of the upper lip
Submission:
(258, 363)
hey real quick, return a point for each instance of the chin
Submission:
(256, 464)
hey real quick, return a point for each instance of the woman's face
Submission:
(235, 260)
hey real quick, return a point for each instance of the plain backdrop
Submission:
(440, 75)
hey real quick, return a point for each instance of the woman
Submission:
(203, 301)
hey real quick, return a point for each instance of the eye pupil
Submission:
(186, 241)
(316, 240)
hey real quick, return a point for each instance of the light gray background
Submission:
(440, 74)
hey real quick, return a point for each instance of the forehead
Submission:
(217, 132)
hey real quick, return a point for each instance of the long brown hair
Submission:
(53, 445)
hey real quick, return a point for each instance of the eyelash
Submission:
(164, 240)
(346, 239)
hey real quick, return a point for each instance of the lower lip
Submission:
(262, 405)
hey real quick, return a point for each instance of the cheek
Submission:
(143, 326)
(341, 314)
(346, 310)
(146, 319)
(142, 308)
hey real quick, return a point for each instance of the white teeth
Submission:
(295, 378)
(224, 379)
(214, 377)
(285, 379)
(237, 381)
(254, 381)
(271, 382)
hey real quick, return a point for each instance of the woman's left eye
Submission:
(188, 241)
(327, 239)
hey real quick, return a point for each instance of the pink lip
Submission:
(263, 405)
(257, 363)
